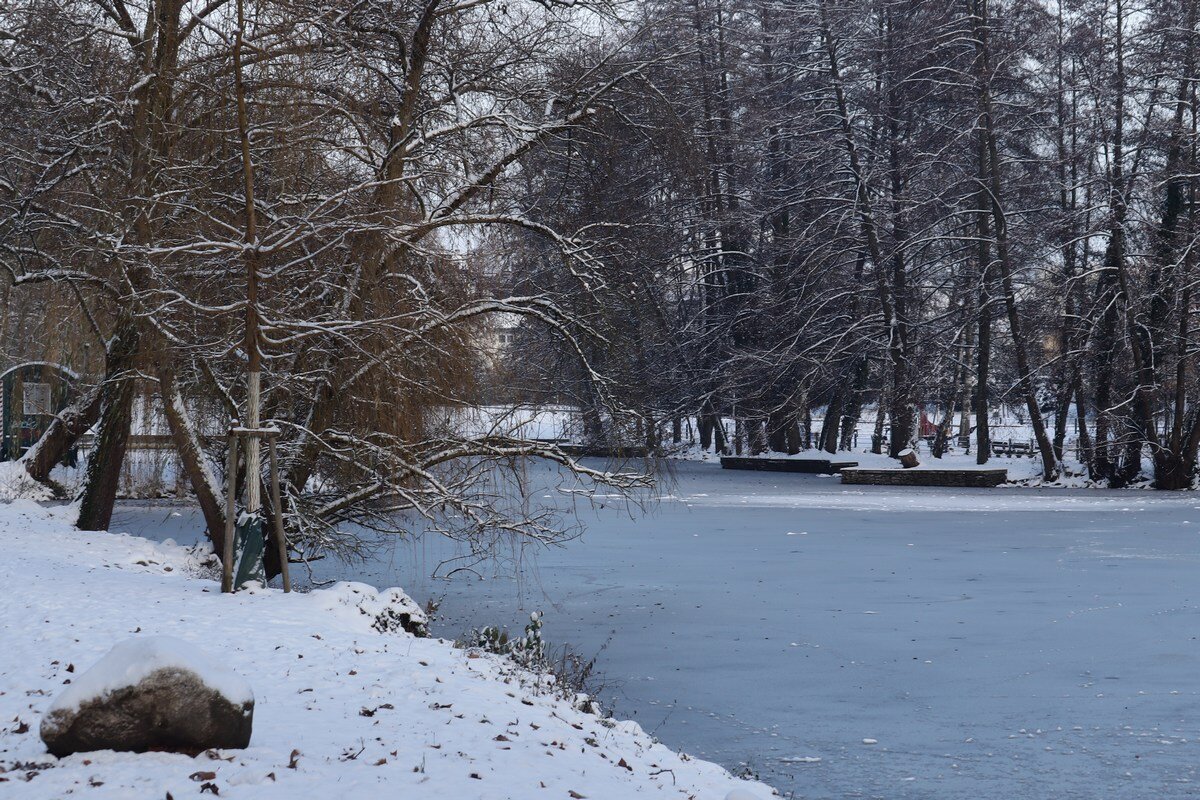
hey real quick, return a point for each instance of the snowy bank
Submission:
(342, 709)
(15, 483)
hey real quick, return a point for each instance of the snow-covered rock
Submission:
(389, 610)
(151, 693)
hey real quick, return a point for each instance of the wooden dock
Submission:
(962, 478)
(589, 451)
(812, 466)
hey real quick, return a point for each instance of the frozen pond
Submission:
(876, 642)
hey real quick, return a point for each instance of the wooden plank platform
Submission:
(586, 451)
(817, 466)
(968, 478)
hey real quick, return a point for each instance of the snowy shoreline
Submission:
(341, 706)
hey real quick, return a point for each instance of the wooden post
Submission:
(230, 510)
(277, 505)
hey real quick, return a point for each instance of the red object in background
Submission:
(927, 427)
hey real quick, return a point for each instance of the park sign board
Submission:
(31, 394)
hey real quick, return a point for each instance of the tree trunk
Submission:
(191, 456)
(1085, 441)
(877, 435)
(983, 353)
(793, 435)
(71, 423)
(103, 475)
(894, 327)
(827, 440)
(853, 410)
(1003, 259)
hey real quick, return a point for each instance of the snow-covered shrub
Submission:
(389, 610)
(528, 651)
(562, 671)
(15, 484)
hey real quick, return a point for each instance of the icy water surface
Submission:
(847, 642)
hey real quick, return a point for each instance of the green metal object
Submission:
(23, 419)
(249, 543)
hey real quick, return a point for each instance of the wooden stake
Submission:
(230, 509)
(281, 543)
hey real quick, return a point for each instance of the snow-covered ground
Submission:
(342, 709)
(991, 643)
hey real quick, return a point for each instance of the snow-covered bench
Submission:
(1011, 448)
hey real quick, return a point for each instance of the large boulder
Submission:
(151, 693)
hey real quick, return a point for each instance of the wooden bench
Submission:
(967, 478)
(812, 466)
(1011, 448)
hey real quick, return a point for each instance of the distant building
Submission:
(501, 336)
(30, 395)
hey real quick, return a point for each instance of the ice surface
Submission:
(1071, 614)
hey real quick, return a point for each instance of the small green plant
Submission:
(569, 674)
(528, 651)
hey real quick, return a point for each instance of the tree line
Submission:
(970, 204)
(697, 208)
